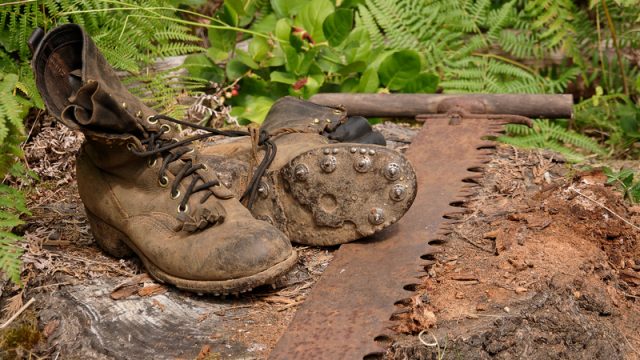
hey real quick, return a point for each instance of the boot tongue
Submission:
(294, 115)
(95, 109)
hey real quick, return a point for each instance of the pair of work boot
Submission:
(175, 202)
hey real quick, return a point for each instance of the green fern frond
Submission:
(365, 19)
(549, 135)
(10, 108)
(559, 133)
(12, 206)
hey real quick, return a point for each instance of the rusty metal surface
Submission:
(410, 105)
(354, 299)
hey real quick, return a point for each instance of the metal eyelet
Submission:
(131, 146)
(166, 127)
(164, 181)
(152, 162)
(176, 195)
(152, 120)
(183, 209)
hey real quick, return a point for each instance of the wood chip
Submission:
(275, 299)
(464, 277)
(152, 289)
(124, 291)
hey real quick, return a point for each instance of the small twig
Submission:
(490, 251)
(51, 285)
(629, 295)
(23, 308)
(606, 208)
(288, 306)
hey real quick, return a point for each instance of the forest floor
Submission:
(546, 264)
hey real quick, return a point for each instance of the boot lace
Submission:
(173, 150)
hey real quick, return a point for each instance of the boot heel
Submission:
(108, 238)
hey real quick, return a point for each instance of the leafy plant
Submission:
(614, 119)
(551, 135)
(508, 46)
(12, 206)
(301, 48)
(624, 179)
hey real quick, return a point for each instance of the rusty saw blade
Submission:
(353, 301)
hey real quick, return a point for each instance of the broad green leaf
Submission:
(256, 108)
(312, 16)
(229, 14)
(287, 8)
(399, 68)
(283, 30)
(265, 25)
(423, 83)
(350, 85)
(246, 59)
(354, 67)
(329, 59)
(293, 59)
(200, 66)
(220, 39)
(357, 46)
(282, 77)
(236, 69)
(337, 26)
(258, 48)
(236, 5)
(276, 57)
(217, 55)
(369, 81)
(223, 40)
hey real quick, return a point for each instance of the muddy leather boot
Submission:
(145, 192)
(316, 191)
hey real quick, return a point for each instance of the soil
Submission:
(545, 264)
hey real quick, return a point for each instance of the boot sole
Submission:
(337, 193)
(117, 244)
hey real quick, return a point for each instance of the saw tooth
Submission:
(382, 339)
(436, 241)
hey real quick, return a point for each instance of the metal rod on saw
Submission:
(411, 105)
